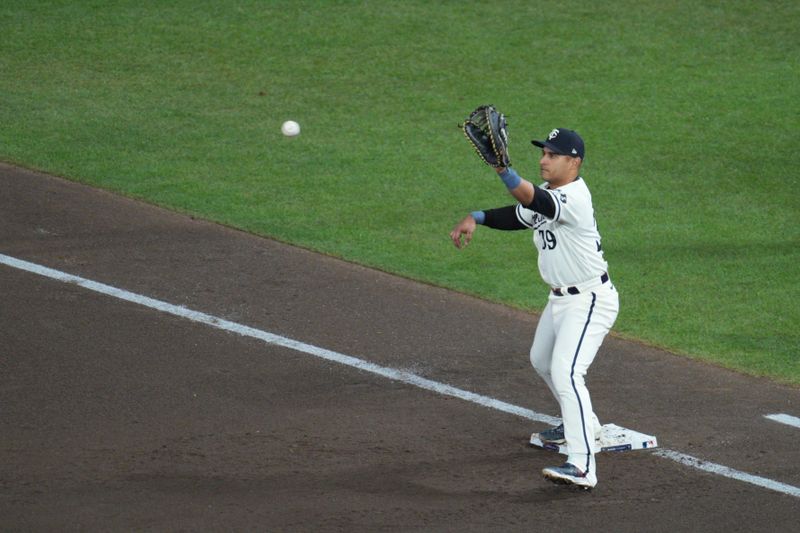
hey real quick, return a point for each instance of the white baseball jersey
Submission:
(569, 244)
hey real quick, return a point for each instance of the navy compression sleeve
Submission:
(542, 203)
(504, 218)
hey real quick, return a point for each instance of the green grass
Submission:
(690, 112)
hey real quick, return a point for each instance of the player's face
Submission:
(557, 169)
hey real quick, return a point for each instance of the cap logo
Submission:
(574, 151)
(553, 135)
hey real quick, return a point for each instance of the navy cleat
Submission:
(554, 435)
(569, 474)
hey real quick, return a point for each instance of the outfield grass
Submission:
(690, 112)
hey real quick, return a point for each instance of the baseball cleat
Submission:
(554, 435)
(569, 474)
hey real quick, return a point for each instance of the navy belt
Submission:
(574, 290)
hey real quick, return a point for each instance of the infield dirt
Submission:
(115, 416)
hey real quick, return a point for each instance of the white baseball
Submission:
(290, 128)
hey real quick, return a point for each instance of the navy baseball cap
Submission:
(564, 142)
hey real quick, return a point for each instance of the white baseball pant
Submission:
(570, 331)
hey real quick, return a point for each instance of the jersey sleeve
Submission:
(570, 207)
(525, 216)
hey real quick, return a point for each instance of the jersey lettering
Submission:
(538, 220)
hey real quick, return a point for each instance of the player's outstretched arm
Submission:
(520, 188)
(464, 229)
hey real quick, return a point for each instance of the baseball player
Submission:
(582, 305)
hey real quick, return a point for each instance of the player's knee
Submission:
(562, 382)
(541, 366)
(565, 378)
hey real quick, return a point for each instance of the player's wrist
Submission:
(510, 178)
(479, 217)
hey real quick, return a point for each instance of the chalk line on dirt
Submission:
(783, 418)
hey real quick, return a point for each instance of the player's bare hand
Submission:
(462, 232)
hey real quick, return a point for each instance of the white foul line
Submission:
(785, 419)
(390, 373)
(270, 338)
(721, 470)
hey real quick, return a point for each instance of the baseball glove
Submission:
(485, 129)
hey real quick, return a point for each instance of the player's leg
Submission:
(542, 348)
(582, 323)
